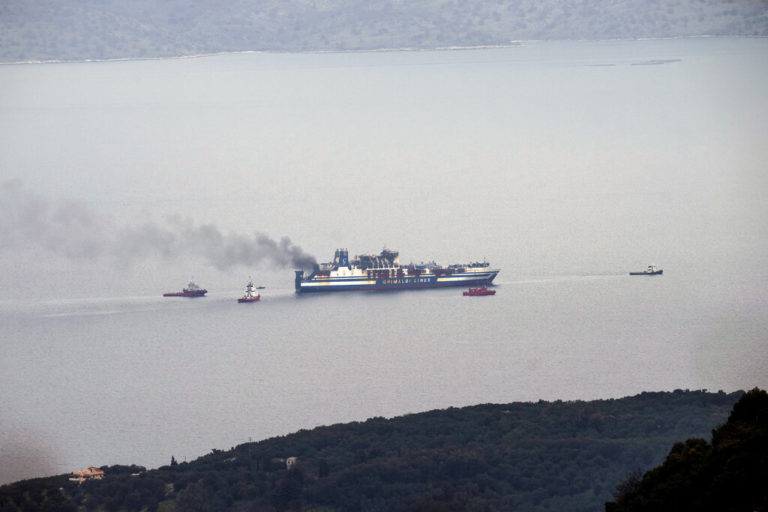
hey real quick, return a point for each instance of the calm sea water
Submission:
(567, 165)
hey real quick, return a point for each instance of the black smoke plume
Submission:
(75, 230)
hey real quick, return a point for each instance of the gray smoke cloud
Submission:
(75, 230)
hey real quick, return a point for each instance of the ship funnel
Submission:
(341, 258)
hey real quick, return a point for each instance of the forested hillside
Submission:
(545, 456)
(730, 473)
(109, 29)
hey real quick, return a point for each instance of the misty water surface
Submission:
(565, 164)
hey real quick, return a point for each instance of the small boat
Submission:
(478, 292)
(650, 271)
(192, 290)
(251, 295)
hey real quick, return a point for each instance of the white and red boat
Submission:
(478, 292)
(251, 295)
(192, 290)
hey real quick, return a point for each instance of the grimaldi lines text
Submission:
(384, 272)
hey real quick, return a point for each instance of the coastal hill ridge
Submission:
(77, 30)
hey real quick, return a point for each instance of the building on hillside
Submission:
(92, 473)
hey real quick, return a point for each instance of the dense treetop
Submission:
(109, 29)
(729, 474)
(522, 456)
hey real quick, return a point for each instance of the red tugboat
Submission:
(251, 295)
(478, 292)
(192, 290)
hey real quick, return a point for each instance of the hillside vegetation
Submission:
(730, 473)
(545, 456)
(109, 29)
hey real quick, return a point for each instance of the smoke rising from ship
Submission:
(75, 230)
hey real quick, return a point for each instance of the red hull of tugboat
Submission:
(479, 292)
(249, 299)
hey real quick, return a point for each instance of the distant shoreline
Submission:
(512, 44)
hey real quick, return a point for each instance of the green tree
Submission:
(195, 498)
(729, 474)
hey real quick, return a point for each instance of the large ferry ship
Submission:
(384, 272)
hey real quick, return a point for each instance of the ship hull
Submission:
(656, 273)
(343, 284)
